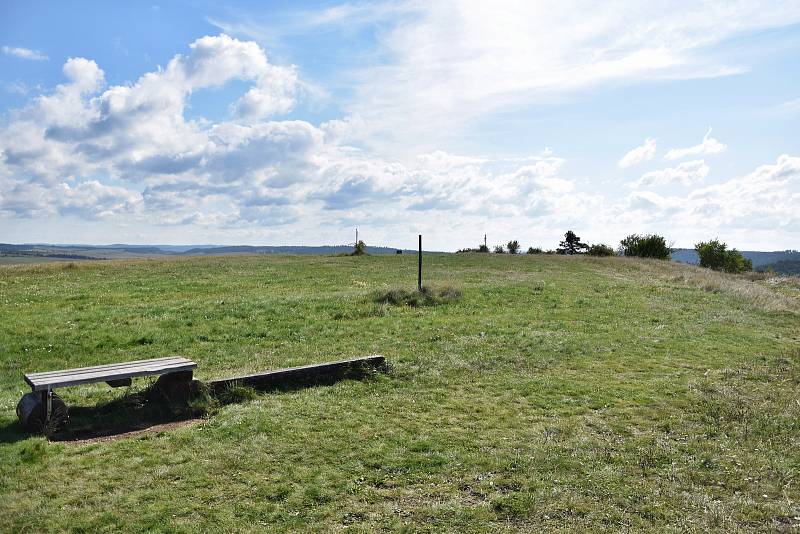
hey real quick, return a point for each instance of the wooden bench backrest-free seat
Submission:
(114, 372)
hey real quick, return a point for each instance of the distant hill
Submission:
(121, 251)
(782, 266)
(759, 259)
(326, 249)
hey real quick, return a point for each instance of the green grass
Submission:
(556, 393)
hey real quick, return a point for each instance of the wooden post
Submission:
(419, 265)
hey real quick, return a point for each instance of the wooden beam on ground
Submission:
(318, 372)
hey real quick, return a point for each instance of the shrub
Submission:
(513, 247)
(360, 249)
(481, 248)
(498, 249)
(600, 250)
(535, 250)
(571, 244)
(715, 255)
(645, 246)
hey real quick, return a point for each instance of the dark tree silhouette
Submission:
(571, 244)
(360, 249)
(513, 247)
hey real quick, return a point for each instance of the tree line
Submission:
(713, 254)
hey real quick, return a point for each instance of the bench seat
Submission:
(103, 373)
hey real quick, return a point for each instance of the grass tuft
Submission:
(427, 296)
(236, 394)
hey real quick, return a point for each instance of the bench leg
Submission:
(47, 400)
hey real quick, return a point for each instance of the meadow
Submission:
(556, 394)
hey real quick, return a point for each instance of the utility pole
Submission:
(484, 240)
(419, 265)
(356, 236)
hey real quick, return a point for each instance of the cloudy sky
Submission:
(290, 123)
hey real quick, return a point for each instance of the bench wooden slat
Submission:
(102, 373)
(109, 367)
(117, 372)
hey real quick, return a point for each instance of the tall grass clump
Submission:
(427, 296)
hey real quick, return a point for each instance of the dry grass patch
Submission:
(762, 292)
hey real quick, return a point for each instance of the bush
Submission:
(360, 249)
(600, 250)
(535, 250)
(715, 255)
(482, 248)
(645, 246)
(498, 249)
(513, 247)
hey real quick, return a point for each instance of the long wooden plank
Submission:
(106, 370)
(109, 366)
(117, 371)
(120, 373)
(52, 382)
(280, 377)
(56, 383)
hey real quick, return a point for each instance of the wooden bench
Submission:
(115, 374)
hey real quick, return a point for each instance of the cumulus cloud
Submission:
(763, 202)
(640, 154)
(709, 145)
(84, 74)
(24, 53)
(128, 153)
(686, 173)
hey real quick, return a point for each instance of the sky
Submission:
(269, 123)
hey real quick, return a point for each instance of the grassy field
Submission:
(558, 394)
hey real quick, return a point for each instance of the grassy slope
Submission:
(559, 393)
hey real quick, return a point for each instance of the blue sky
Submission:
(292, 123)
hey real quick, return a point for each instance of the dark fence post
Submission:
(419, 266)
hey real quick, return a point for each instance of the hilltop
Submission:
(557, 393)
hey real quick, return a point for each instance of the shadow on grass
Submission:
(155, 406)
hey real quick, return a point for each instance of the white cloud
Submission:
(449, 62)
(24, 53)
(709, 145)
(746, 211)
(686, 173)
(790, 106)
(84, 75)
(127, 154)
(640, 154)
